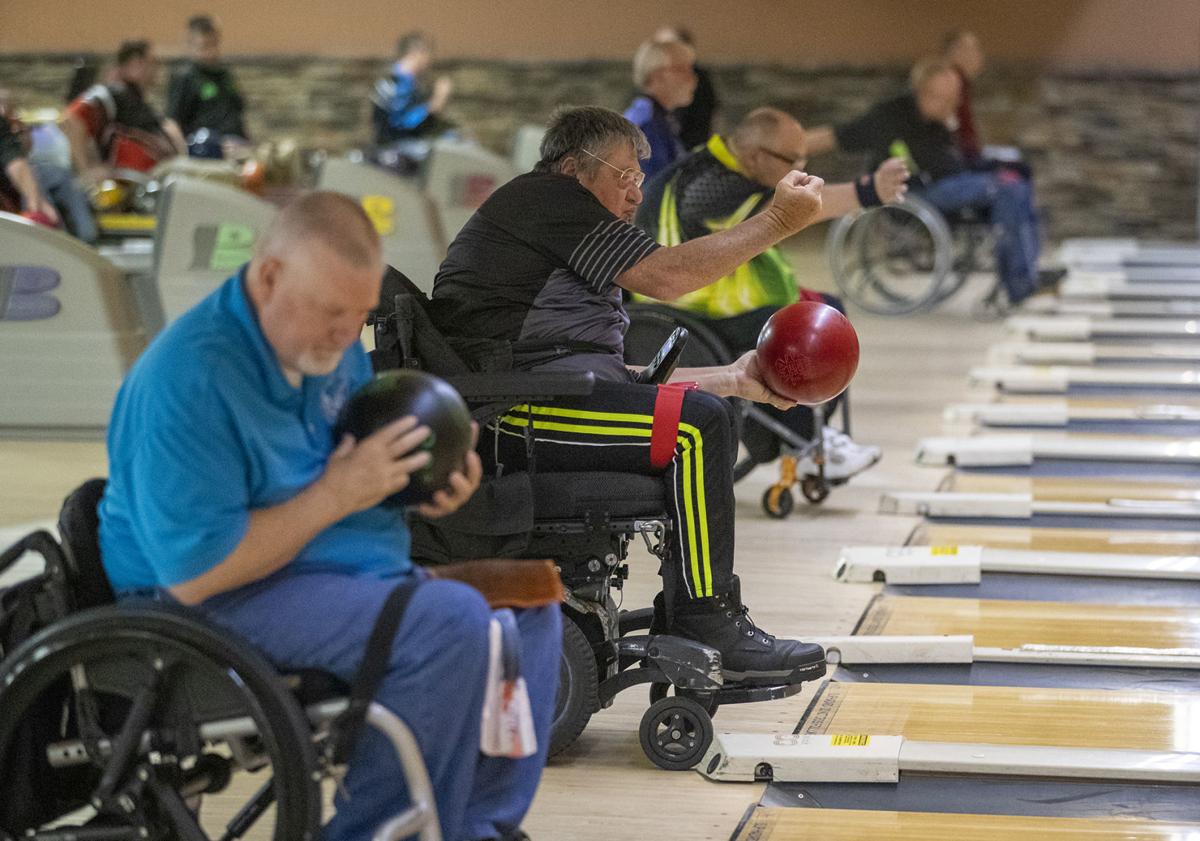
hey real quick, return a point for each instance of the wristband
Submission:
(864, 188)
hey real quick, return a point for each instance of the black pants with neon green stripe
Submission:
(609, 430)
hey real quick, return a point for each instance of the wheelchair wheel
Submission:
(778, 502)
(675, 733)
(577, 684)
(120, 719)
(814, 490)
(894, 259)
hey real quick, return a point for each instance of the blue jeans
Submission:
(68, 197)
(435, 683)
(1010, 200)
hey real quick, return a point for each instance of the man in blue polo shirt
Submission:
(228, 493)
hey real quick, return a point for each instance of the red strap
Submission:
(811, 295)
(668, 404)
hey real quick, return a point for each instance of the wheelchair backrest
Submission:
(79, 529)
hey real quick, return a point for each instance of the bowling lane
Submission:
(767, 824)
(1135, 542)
(1067, 489)
(1005, 715)
(999, 623)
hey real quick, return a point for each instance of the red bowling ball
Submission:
(808, 352)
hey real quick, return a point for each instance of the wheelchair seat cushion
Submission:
(565, 496)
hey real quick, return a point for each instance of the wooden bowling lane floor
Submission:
(1119, 542)
(1070, 489)
(999, 623)
(1006, 715)
(808, 824)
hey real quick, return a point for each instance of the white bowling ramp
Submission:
(1058, 379)
(1015, 449)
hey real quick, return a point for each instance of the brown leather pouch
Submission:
(505, 582)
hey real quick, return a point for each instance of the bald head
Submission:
(332, 220)
(769, 143)
(764, 125)
(314, 279)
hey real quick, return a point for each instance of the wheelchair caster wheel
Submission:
(676, 733)
(777, 502)
(814, 490)
(708, 700)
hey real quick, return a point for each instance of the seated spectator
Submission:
(666, 80)
(39, 188)
(961, 49)
(543, 263)
(228, 493)
(696, 119)
(202, 97)
(112, 126)
(914, 125)
(722, 184)
(19, 189)
(405, 106)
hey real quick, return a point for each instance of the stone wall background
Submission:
(1114, 153)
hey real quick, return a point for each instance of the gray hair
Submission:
(572, 129)
(653, 55)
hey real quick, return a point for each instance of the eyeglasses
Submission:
(627, 177)
(787, 159)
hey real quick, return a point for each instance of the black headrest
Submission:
(79, 527)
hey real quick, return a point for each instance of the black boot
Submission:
(749, 655)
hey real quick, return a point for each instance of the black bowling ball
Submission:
(391, 396)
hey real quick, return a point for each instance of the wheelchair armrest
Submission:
(520, 387)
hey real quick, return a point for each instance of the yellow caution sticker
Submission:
(849, 740)
(381, 211)
(943, 550)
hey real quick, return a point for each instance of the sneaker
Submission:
(843, 457)
(749, 655)
(1048, 279)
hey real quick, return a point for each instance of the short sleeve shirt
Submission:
(118, 110)
(539, 261)
(205, 430)
(206, 96)
(928, 142)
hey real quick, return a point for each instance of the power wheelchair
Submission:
(649, 326)
(584, 521)
(899, 259)
(120, 721)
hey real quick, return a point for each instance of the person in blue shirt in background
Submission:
(405, 105)
(664, 74)
(227, 493)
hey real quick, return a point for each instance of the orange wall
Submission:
(1138, 34)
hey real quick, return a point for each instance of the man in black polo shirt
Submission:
(543, 263)
(915, 126)
(203, 98)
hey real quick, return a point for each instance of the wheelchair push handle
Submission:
(41, 541)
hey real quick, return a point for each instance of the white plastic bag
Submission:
(507, 717)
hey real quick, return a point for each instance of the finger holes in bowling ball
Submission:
(434, 402)
(808, 352)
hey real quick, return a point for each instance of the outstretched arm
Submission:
(670, 272)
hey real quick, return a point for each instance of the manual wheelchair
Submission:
(126, 721)
(908, 257)
(584, 521)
